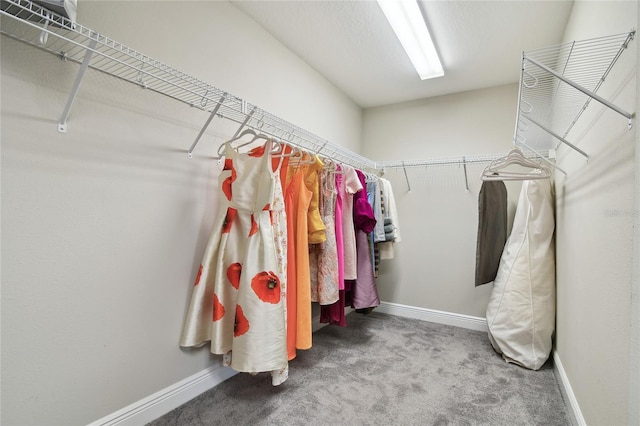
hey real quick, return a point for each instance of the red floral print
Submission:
(227, 183)
(228, 220)
(198, 276)
(254, 226)
(258, 151)
(233, 274)
(266, 285)
(241, 326)
(218, 309)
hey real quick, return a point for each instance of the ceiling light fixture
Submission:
(409, 25)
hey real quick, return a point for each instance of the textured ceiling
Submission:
(353, 46)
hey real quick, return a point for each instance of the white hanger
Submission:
(331, 167)
(301, 156)
(244, 133)
(494, 171)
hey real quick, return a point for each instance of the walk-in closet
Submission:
(270, 212)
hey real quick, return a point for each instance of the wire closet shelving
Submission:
(557, 84)
(44, 29)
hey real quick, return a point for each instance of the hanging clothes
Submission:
(378, 232)
(492, 230)
(323, 258)
(350, 185)
(239, 294)
(521, 308)
(315, 225)
(391, 221)
(297, 200)
(364, 293)
(334, 313)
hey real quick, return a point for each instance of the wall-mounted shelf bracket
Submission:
(406, 176)
(466, 178)
(204, 128)
(62, 124)
(557, 136)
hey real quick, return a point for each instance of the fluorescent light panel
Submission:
(408, 24)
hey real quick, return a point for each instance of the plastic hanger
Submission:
(494, 171)
(244, 133)
(332, 167)
(301, 156)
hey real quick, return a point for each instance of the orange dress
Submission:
(297, 200)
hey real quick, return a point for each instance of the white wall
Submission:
(103, 227)
(595, 217)
(434, 266)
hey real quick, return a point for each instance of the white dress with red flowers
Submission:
(238, 301)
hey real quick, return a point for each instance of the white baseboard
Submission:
(567, 391)
(160, 403)
(432, 315)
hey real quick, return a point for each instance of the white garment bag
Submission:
(521, 309)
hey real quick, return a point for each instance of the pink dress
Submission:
(350, 185)
(334, 313)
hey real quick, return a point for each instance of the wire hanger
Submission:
(494, 171)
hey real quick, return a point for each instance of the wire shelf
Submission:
(39, 27)
(551, 100)
(548, 106)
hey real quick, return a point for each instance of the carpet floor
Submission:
(386, 370)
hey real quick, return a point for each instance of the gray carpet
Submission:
(386, 370)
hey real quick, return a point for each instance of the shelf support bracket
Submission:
(466, 179)
(404, 168)
(557, 136)
(582, 89)
(246, 120)
(62, 124)
(204, 128)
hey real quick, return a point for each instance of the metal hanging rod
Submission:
(464, 161)
(557, 84)
(447, 161)
(28, 22)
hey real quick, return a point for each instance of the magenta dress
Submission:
(364, 292)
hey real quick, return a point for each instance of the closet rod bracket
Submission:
(406, 176)
(62, 124)
(206, 124)
(557, 136)
(466, 178)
